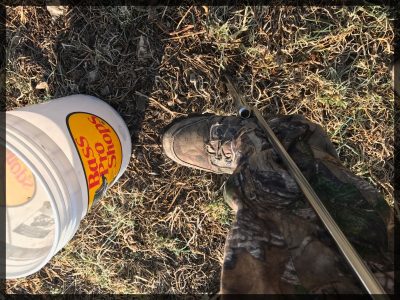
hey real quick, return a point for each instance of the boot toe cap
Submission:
(184, 142)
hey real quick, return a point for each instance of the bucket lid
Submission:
(30, 223)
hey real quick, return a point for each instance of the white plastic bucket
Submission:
(61, 156)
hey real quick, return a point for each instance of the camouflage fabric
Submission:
(277, 244)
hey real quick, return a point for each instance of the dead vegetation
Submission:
(161, 228)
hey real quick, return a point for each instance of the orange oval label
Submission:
(99, 149)
(20, 182)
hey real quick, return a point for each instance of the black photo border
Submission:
(393, 4)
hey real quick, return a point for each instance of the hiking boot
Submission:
(212, 143)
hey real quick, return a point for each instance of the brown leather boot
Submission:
(212, 143)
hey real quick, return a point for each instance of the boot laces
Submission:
(220, 144)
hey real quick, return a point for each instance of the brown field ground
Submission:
(162, 227)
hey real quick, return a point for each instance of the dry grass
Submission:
(161, 228)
